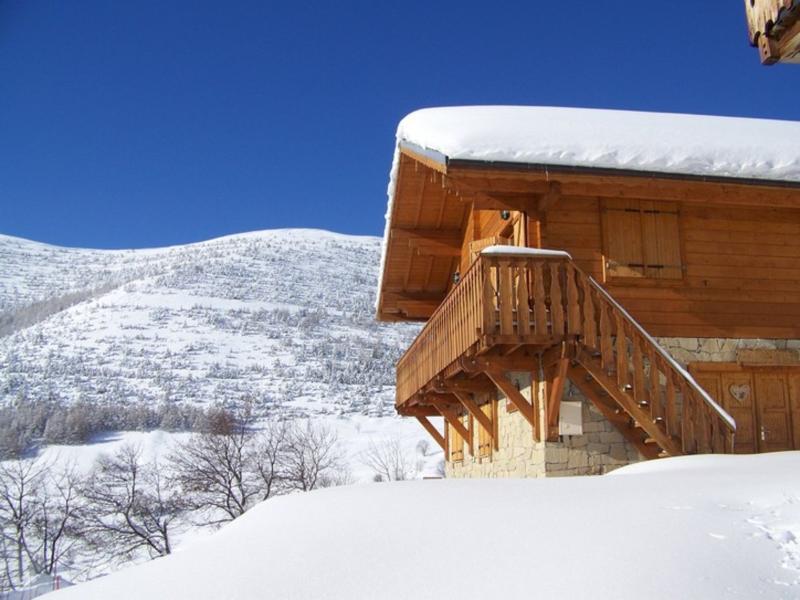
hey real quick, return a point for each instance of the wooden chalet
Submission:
(774, 28)
(597, 287)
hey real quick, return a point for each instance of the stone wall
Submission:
(601, 448)
(687, 350)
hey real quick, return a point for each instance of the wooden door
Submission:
(738, 399)
(774, 412)
(793, 381)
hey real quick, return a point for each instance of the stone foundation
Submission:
(600, 448)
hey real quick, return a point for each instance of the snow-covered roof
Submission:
(676, 144)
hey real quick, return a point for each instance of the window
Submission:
(642, 239)
(485, 440)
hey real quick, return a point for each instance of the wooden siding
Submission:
(742, 270)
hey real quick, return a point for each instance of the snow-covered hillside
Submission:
(694, 527)
(280, 317)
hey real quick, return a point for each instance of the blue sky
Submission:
(131, 124)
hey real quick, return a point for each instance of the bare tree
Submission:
(216, 469)
(313, 458)
(388, 460)
(129, 506)
(58, 520)
(39, 514)
(269, 458)
(19, 482)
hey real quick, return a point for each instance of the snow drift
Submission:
(692, 527)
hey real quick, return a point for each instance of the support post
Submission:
(527, 409)
(556, 391)
(452, 419)
(432, 431)
(478, 415)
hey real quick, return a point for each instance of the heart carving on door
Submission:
(739, 391)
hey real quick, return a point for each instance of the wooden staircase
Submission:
(525, 303)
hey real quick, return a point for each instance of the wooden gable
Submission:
(687, 256)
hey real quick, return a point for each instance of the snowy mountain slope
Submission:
(694, 527)
(283, 318)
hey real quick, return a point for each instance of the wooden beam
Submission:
(515, 362)
(478, 415)
(548, 199)
(429, 162)
(556, 391)
(470, 386)
(434, 433)
(576, 375)
(430, 242)
(527, 409)
(609, 384)
(453, 420)
(623, 184)
(486, 202)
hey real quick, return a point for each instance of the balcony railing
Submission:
(502, 298)
(513, 297)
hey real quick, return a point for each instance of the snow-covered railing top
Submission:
(525, 251)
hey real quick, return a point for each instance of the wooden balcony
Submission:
(512, 308)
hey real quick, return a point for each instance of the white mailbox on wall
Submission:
(570, 419)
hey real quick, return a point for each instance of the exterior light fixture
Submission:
(456, 277)
(505, 215)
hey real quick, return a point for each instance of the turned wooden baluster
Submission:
(556, 300)
(539, 306)
(656, 406)
(573, 308)
(639, 393)
(606, 347)
(523, 305)
(621, 351)
(589, 322)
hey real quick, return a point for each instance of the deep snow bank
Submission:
(695, 527)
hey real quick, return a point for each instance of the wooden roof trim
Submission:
(430, 158)
(455, 167)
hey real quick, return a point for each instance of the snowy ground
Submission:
(695, 527)
(354, 433)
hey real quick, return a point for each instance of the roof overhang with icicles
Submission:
(774, 28)
(448, 161)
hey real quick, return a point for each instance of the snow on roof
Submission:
(688, 527)
(668, 143)
(676, 144)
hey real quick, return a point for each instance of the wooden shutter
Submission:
(642, 239)
(455, 445)
(661, 240)
(485, 439)
(622, 232)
